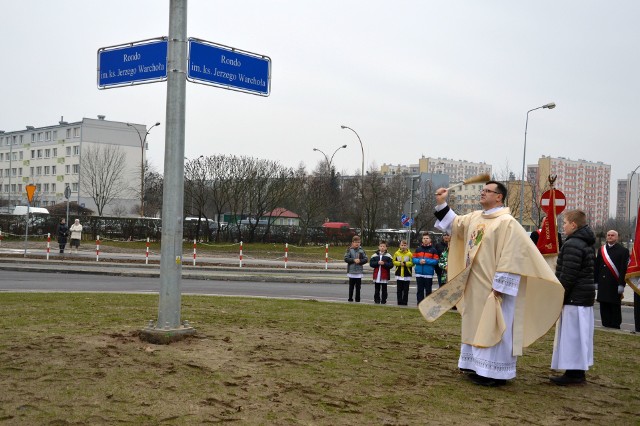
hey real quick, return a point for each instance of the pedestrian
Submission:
(610, 268)
(402, 260)
(76, 235)
(425, 260)
(63, 233)
(381, 262)
(497, 275)
(355, 257)
(442, 260)
(442, 246)
(573, 346)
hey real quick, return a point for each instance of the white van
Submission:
(22, 210)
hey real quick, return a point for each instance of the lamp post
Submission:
(142, 144)
(629, 204)
(329, 161)
(550, 105)
(361, 176)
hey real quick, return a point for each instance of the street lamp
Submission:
(329, 161)
(550, 105)
(361, 174)
(142, 144)
(629, 203)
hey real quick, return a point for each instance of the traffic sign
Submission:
(31, 189)
(138, 62)
(228, 67)
(560, 201)
(406, 221)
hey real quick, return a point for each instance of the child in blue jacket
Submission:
(425, 259)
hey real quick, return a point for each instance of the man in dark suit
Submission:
(610, 268)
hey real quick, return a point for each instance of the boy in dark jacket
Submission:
(573, 351)
(425, 260)
(381, 262)
(355, 258)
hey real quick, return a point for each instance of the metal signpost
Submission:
(31, 189)
(166, 58)
(228, 67)
(67, 194)
(138, 62)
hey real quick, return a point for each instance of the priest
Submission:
(506, 292)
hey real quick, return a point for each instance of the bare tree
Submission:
(103, 174)
(309, 200)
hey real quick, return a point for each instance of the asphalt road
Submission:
(36, 281)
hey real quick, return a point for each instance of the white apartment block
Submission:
(457, 170)
(50, 158)
(585, 184)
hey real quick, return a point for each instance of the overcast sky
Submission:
(450, 79)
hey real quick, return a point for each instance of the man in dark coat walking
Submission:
(610, 268)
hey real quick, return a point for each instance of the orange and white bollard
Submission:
(146, 260)
(286, 254)
(326, 256)
(194, 252)
(241, 254)
(98, 248)
(48, 245)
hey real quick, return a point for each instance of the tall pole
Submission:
(10, 166)
(629, 205)
(361, 177)
(329, 161)
(173, 191)
(143, 142)
(550, 105)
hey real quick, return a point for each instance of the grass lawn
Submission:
(77, 359)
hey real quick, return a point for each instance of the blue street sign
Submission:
(134, 63)
(229, 68)
(406, 221)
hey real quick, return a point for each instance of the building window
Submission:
(67, 169)
(20, 171)
(46, 187)
(21, 155)
(1, 157)
(31, 171)
(53, 187)
(68, 151)
(55, 152)
(47, 170)
(54, 170)
(55, 135)
(68, 133)
(38, 170)
(39, 153)
(74, 187)
(47, 135)
(33, 154)
(38, 187)
(76, 132)
(39, 136)
(47, 153)
(76, 169)
(76, 150)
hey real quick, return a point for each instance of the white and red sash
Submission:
(609, 262)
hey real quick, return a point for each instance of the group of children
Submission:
(426, 260)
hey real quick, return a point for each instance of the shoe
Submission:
(486, 381)
(350, 300)
(384, 302)
(467, 370)
(565, 380)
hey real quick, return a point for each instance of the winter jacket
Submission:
(385, 273)
(76, 231)
(606, 282)
(352, 254)
(430, 255)
(575, 268)
(63, 231)
(403, 256)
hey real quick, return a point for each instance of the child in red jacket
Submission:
(381, 262)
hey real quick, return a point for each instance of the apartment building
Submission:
(456, 170)
(585, 184)
(50, 158)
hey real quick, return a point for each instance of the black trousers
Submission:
(403, 292)
(354, 283)
(376, 295)
(425, 287)
(611, 314)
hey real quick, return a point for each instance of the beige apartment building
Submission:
(50, 158)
